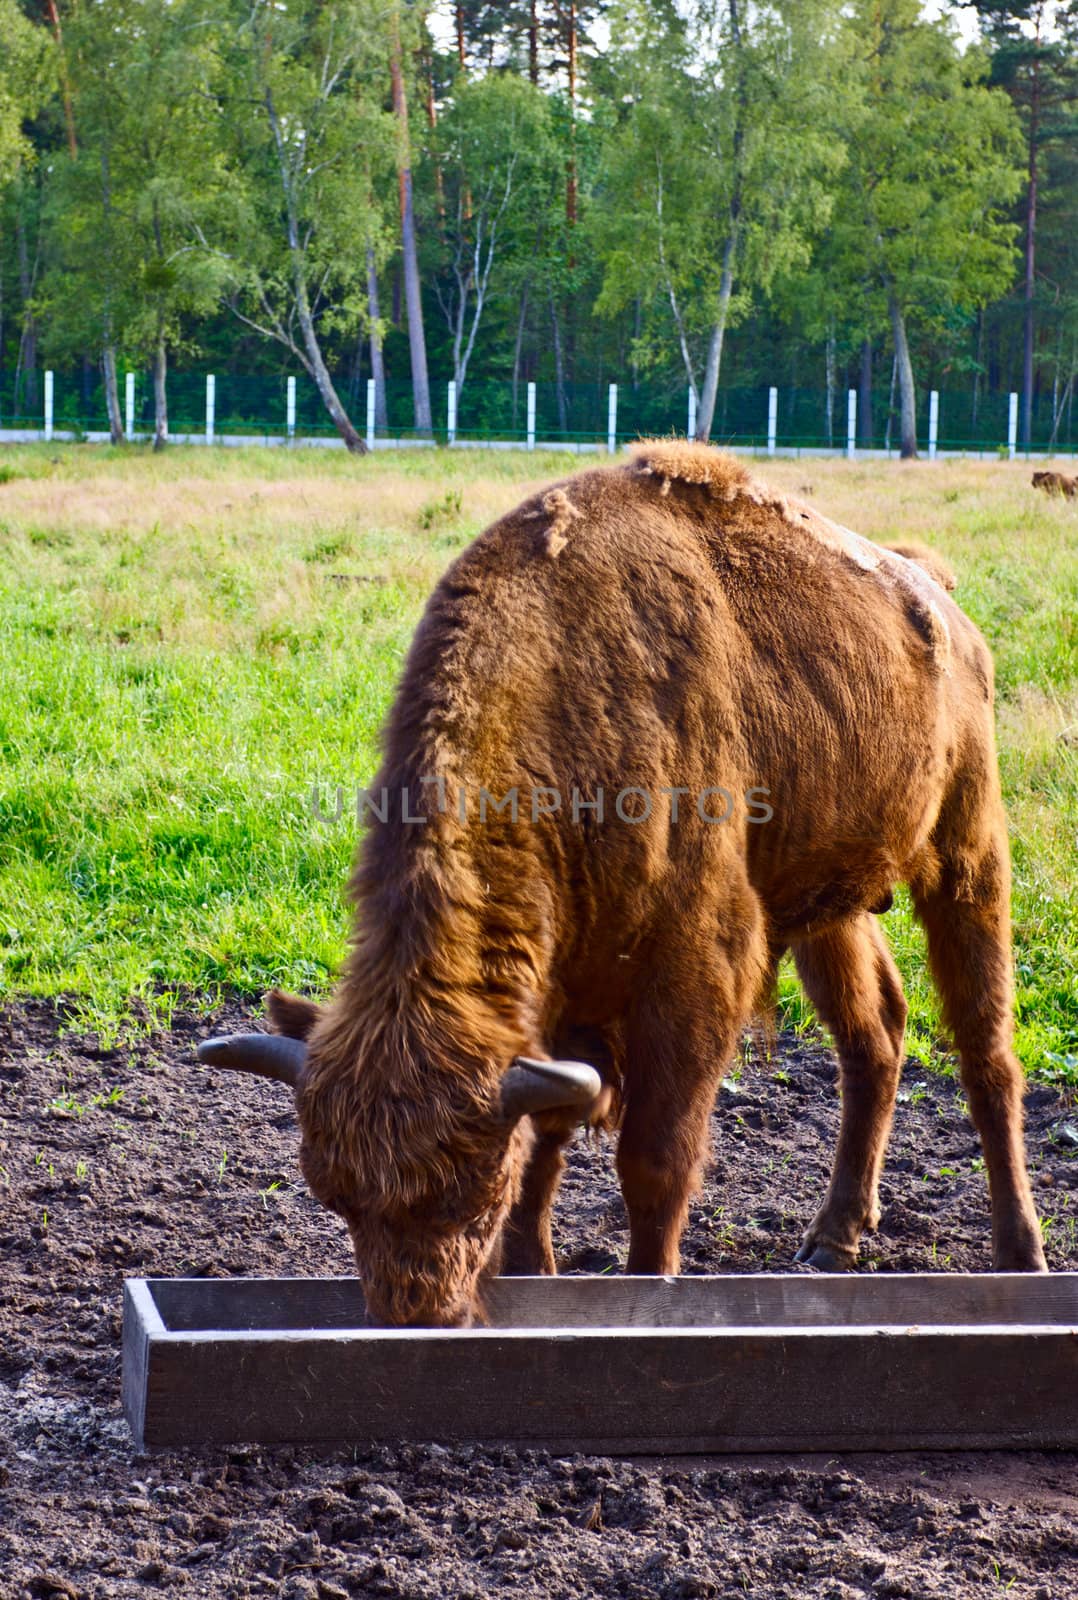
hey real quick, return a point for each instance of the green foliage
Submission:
(26, 73)
(497, 147)
(687, 189)
(934, 160)
(126, 211)
(727, 150)
(308, 147)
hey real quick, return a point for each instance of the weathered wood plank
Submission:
(760, 1300)
(994, 1363)
(141, 1324)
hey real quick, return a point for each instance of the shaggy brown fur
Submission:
(1056, 483)
(931, 560)
(668, 624)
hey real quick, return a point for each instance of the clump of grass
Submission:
(444, 509)
(330, 547)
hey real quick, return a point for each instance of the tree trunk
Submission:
(907, 394)
(829, 374)
(355, 375)
(432, 123)
(412, 293)
(318, 370)
(26, 363)
(108, 349)
(65, 80)
(533, 43)
(706, 414)
(978, 367)
(559, 370)
(311, 355)
(518, 347)
(570, 179)
(1031, 243)
(378, 366)
(160, 397)
(1060, 410)
(890, 404)
(864, 396)
(112, 393)
(634, 365)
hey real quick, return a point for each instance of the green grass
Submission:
(190, 643)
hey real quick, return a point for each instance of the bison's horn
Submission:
(267, 1054)
(530, 1086)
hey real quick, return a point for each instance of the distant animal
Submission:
(1056, 483)
(657, 726)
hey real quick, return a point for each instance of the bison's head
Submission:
(424, 1174)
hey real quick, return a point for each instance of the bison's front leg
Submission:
(527, 1247)
(851, 979)
(682, 1031)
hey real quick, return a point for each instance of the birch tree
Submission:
(728, 150)
(933, 164)
(498, 146)
(301, 99)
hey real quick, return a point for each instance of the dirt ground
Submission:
(129, 1162)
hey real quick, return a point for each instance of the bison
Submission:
(657, 726)
(1056, 483)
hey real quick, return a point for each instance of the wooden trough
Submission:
(614, 1365)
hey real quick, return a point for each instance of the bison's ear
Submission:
(529, 1087)
(291, 1015)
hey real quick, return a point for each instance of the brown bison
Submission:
(657, 726)
(1056, 483)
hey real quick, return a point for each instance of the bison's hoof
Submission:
(827, 1257)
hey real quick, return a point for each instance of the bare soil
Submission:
(129, 1162)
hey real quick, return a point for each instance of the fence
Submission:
(229, 409)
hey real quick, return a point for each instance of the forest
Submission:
(695, 199)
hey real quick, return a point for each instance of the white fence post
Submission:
(48, 405)
(531, 416)
(371, 401)
(211, 406)
(772, 420)
(612, 420)
(851, 424)
(290, 413)
(691, 433)
(451, 411)
(1012, 426)
(129, 405)
(933, 423)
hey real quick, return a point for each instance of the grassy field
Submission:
(190, 644)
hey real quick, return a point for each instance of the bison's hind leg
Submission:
(851, 978)
(965, 910)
